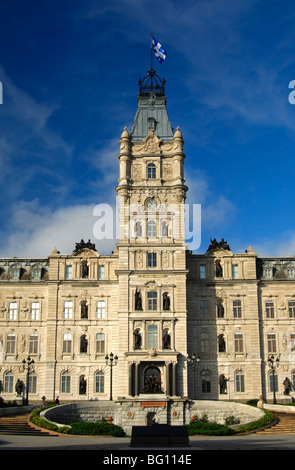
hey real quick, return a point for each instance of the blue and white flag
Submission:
(159, 50)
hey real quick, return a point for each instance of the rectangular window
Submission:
(67, 343)
(291, 272)
(101, 309)
(68, 272)
(235, 271)
(8, 383)
(32, 383)
(267, 272)
(35, 310)
(68, 310)
(15, 274)
(152, 300)
(269, 309)
(100, 343)
(10, 344)
(271, 343)
(239, 346)
(205, 343)
(152, 260)
(152, 337)
(152, 229)
(202, 271)
(33, 344)
(237, 309)
(36, 274)
(12, 311)
(291, 306)
(100, 272)
(204, 309)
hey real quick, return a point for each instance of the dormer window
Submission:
(267, 272)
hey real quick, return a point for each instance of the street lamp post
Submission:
(193, 360)
(273, 364)
(111, 361)
(27, 362)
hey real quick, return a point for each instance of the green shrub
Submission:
(268, 418)
(97, 429)
(213, 429)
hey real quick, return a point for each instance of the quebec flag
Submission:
(160, 52)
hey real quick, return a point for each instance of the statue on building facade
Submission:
(138, 300)
(223, 384)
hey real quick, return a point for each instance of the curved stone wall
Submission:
(127, 413)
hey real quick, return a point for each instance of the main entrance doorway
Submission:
(152, 380)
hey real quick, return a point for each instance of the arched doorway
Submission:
(152, 380)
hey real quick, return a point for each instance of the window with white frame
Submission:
(152, 260)
(291, 272)
(35, 310)
(12, 311)
(8, 382)
(239, 343)
(68, 272)
(267, 272)
(100, 343)
(10, 344)
(152, 298)
(101, 309)
(152, 337)
(202, 271)
(32, 382)
(65, 382)
(237, 308)
(100, 272)
(291, 307)
(33, 344)
(151, 171)
(269, 309)
(67, 343)
(99, 382)
(271, 343)
(152, 229)
(240, 381)
(68, 309)
(235, 271)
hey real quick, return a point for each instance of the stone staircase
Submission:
(19, 426)
(285, 424)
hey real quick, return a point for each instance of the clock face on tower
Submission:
(151, 204)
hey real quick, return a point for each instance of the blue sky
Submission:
(70, 74)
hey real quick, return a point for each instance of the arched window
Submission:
(206, 381)
(67, 343)
(65, 382)
(240, 381)
(151, 171)
(8, 382)
(99, 382)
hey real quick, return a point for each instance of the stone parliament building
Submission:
(174, 323)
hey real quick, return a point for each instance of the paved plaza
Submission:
(249, 442)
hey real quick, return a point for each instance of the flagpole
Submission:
(151, 51)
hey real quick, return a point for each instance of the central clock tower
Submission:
(152, 251)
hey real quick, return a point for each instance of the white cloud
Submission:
(34, 231)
